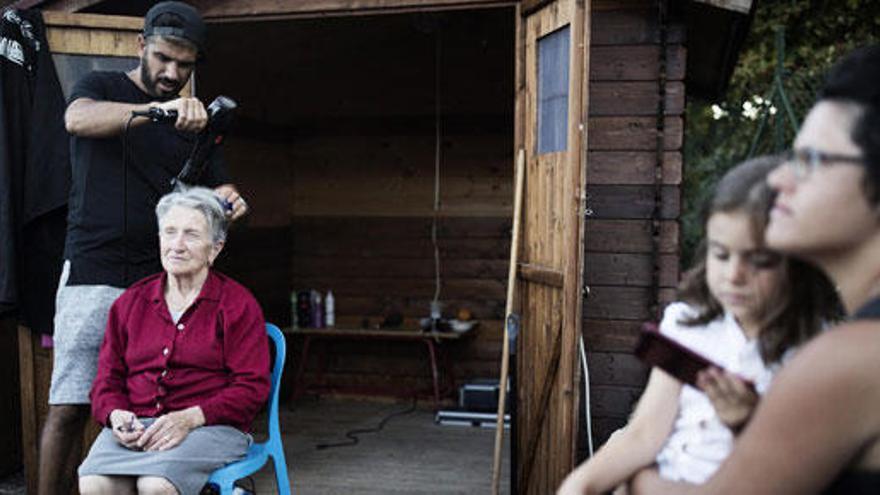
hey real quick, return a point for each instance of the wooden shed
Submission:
(373, 135)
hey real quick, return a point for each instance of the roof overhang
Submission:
(716, 31)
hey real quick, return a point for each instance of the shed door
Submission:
(551, 107)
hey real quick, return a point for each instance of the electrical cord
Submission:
(352, 435)
(587, 418)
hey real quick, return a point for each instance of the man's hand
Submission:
(191, 113)
(170, 430)
(229, 193)
(732, 399)
(126, 428)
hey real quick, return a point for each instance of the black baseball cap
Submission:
(192, 26)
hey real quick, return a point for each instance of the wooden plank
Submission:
(85, 41)
(632, 167)
(623, 303)
(618, 303)
(29, 412)
(634, 98)
(633, 133)
(632, 202)
(270, 9)
(541, 275)
(393, 288)
(55, 18)
(636, 62)
(629, 26)
(402, 248)
(611, 335)
(626, 269)
(630, 236)
(616, 369)
(401, 227)
(342, 267)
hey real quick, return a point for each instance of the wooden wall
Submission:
(335, 149)
(620, 258)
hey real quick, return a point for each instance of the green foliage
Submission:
(817, 33)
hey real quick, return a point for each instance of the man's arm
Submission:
(90, 118)
(812, 423)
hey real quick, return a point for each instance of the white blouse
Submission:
(699, 441)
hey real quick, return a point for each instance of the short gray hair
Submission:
(201, 199)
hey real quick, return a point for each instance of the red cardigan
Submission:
(216, 356)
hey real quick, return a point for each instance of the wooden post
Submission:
(30, 432)
(505, 352)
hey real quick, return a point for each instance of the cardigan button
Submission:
(165, 351)
(180, 326)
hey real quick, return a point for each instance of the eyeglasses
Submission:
(805, 161)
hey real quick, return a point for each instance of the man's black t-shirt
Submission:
(112, 230)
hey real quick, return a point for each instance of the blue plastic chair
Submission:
(259, 453)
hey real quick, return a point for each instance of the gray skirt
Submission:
(186, 466)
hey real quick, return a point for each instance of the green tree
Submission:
(721, 133)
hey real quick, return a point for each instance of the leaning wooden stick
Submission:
(505, 353)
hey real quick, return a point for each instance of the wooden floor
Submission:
(411, 455)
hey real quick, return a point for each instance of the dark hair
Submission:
(856, 79)
(806, 300)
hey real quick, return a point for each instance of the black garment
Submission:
(112, 231)
(34, 170)
(858, 482)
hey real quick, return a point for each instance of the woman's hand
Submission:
(169, 430)
(126, 428)
(732, 399)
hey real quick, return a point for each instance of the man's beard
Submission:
(152, 85)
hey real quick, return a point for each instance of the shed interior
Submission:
(342, 124)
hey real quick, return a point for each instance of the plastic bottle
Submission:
(330, 310)
(318, 316)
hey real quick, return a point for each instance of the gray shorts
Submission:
(186, 466)
(80, 319)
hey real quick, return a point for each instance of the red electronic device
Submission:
(658, 350)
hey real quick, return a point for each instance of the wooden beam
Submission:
(92, 21)
(68, 5)
(229, 10)
(29, 425)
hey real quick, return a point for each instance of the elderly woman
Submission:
(184, 366)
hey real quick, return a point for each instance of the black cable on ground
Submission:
(352, 435)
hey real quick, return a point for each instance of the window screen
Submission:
(553, 50)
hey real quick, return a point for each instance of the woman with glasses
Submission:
(818, 428)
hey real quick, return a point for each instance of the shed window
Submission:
(553, 51)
